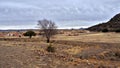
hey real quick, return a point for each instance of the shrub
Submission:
(50, 48)
(117, 53)
(101, 66)
(29, 33)
(105, 30)
(117, 31)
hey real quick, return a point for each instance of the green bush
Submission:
(105, 30)
(30, 33)
(50, 48)
(117, 31)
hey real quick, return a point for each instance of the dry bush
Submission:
(105, 66)
(21, 39)
(60, 32)
(75, 34)
(113, 55)
(50, 48)
(70, 35)
(110, 55)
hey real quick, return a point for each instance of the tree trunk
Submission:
(48, 40)
(30, 37)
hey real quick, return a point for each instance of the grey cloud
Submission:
(58, 10)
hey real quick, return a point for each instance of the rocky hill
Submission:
(112, 25)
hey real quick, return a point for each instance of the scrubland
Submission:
(73, 49)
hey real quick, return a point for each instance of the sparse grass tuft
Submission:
(50, 48)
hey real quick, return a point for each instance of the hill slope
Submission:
(112, 25)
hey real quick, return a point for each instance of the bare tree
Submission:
(48, 27)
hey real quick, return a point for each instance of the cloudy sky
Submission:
(19, 14)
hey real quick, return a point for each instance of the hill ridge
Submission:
(112, 25)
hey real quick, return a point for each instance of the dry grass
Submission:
(93, 37)
(87, 50)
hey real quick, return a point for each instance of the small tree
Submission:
(30, 33)
(48, 28)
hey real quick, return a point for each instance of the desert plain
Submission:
(73, 49)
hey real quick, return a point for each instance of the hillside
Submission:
(112, 25)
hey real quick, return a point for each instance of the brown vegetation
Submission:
(48, 28)
(87, 50)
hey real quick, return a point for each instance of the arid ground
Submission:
(81, 50)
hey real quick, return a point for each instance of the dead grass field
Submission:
(86, 50)
(93, 37)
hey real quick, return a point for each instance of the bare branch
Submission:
(48, 27)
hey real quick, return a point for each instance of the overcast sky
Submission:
(19, 14)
